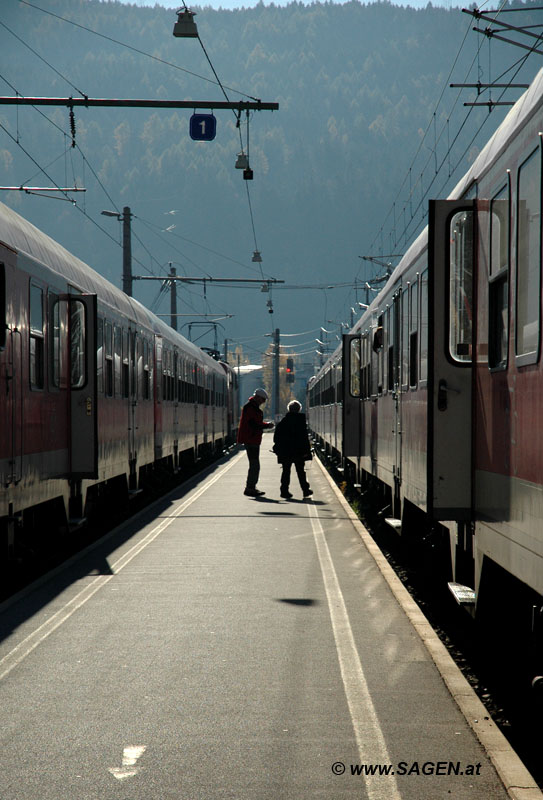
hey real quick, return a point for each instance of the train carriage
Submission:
(443, 378)
(97, 393)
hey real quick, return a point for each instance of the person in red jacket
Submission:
(250, 429)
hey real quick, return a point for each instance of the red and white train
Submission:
(96, 392)
(436, 395)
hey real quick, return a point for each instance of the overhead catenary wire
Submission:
(64, 78)
(135, 49)
(406, 232)
(238, 125)
(65, 195)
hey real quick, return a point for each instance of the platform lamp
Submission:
(242, 162)
(185, 27)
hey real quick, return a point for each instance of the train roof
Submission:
(20, 235)
(526, 106)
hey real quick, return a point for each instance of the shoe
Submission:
(308, 493)
(253, 492)
(286, 495)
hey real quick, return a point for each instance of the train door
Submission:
(82, 328)
(351, 411)
(451, 260)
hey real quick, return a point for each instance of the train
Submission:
(99, 398)
(435, 396)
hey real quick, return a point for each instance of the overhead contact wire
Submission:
(135, 49)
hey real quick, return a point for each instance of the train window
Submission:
(413, 333)
(158, 378)
(379, 342)
(499, 231)
(77, 344)
(109, 359)
(100, 356)
(405, 339)
(138, 383)
(528, 257)
(146, 372)
(125, 366)
(461, 286)
(134, 364)
(354, 360)
(117, 357)
(177, 377)
(166, 374)
(390, 338)
(36, 338)
(3, 307)
(123, 378)
(57, 342)
(424, 326)
(498, 287)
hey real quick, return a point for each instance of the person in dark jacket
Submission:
(291, 446)
(251, 425)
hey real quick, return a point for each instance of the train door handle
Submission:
(442, 389)
(442, 395)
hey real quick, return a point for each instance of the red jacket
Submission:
(251, 423)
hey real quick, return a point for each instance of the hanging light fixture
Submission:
(185, 27)
(257, 258)
(242, 162)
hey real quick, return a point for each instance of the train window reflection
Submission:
(355, 367)
(405, 339)
(528, 256)
(461, 286)
(413, 333)
(3, 309)
(424, 326)
(100, 356)
(498, 289)
(109, 359)
(36, 338)
(77, 343)
(57, 342)
(499, 231)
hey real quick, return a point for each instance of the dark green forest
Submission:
(357, 86)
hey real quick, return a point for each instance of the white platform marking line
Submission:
(371, 744)
(24, 648)
(130, 757)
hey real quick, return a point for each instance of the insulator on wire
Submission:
(72, 126)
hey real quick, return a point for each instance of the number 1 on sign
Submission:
(203, 127)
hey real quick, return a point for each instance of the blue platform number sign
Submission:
(203, 127)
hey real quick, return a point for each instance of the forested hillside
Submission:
(356, 85)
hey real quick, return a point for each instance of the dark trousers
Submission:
(300, 470)
(253, 454)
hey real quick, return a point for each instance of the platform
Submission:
(219, 646)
